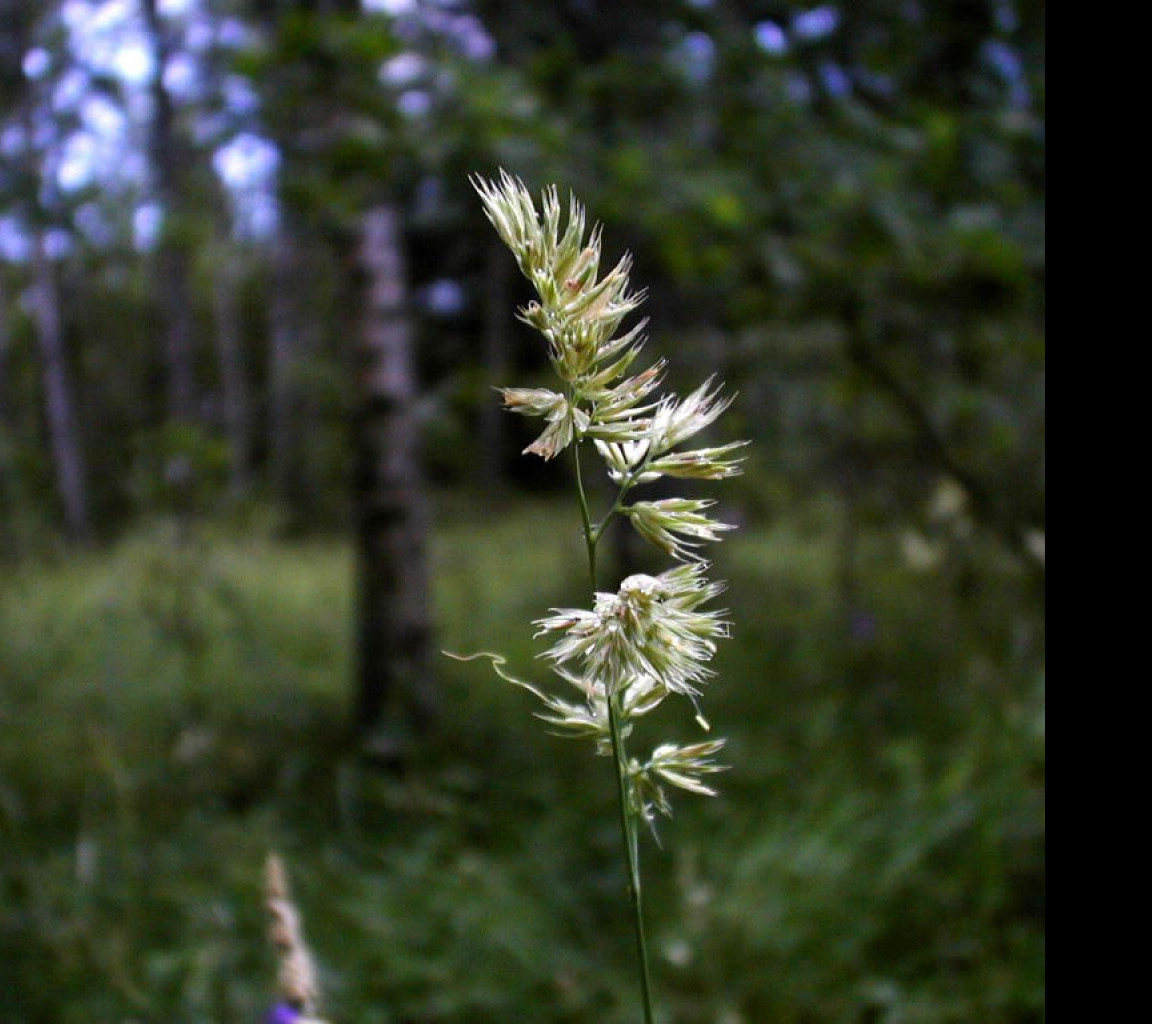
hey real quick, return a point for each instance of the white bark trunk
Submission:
(395, 628)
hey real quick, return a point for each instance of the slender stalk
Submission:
(649, 640)
(632, 846)
(598, 530)
(628, 830)
(591, 536)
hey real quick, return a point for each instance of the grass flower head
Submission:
(652, 637)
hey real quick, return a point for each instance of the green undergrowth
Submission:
(173, 708)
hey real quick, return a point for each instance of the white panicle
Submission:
(651, 638)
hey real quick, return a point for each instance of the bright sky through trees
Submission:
(97, 87)
(107, 42)
(91, 119)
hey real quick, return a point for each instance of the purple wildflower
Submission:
(282, 1013)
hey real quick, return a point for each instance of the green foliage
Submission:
(180, 468)
(339, 132)
(876, 189)
(877, 854)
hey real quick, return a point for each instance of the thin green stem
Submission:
(591, 536)
(632, 846)
(626, 486)
(628, 822)
(598, 530)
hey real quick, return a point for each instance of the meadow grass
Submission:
(169, 714)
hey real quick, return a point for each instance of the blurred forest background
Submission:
(253, 477)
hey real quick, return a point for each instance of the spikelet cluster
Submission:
(296, 986)
(580, 317)
(652, 638)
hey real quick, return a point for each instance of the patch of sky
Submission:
(77, 162)
(199, 36)
(37, 63)
(465, 33)
(239, 96)
(182, 76)
(771, 38)
(92, 222)
(147, 222)
(1005, 62)
(835, 79)
(247, 165)
(443, 297)
(392, 7)
(13, 140)
(15, 245)
(57, 243)
(109, 38)
(415, 103)
(403, 69)
(473, 39)
(695, 55)
(41, 134)
(99, 146)
(70, 90)
(133, 63)
(247, 162)
(101, 116)
(258, 218)
(233, 33)
(96, 18)
(816, 23)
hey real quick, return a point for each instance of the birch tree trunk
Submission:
(59, 404)
(395, 688)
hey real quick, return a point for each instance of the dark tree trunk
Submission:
(395, 688)
(59, 404)
(3, 359)
(7, 488)
(233, 374)
(497, 344)
(294, 340)
(281, 355)
(172, 258)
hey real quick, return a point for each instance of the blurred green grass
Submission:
(173, 708)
